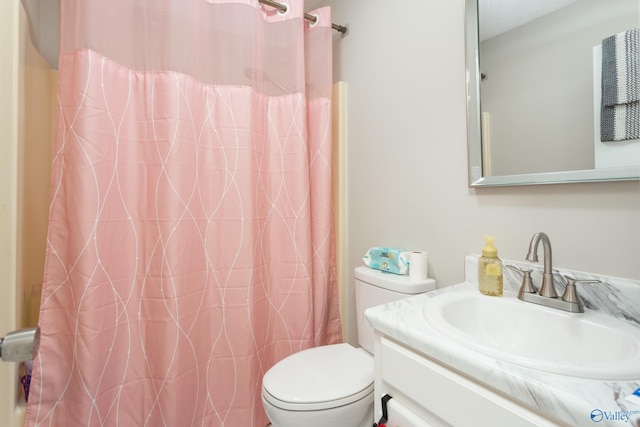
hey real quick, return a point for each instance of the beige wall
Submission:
(407, 165)
(9, 412)
(27, 101)
(37, 106)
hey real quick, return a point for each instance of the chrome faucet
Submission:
(547, 295)
(20, 345)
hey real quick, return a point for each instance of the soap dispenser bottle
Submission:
(490, 269)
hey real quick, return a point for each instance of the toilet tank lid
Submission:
(394, 282)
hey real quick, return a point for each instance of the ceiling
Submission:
(498, 16)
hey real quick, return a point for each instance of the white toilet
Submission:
(333, 384)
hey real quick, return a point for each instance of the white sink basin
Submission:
(587, 345)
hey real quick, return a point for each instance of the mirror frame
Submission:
(474, 131)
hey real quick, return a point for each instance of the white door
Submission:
(11, 410)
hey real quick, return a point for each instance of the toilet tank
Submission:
(375, 287)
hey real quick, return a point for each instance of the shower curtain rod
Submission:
(282, 8)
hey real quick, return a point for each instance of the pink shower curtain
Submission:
(190, 242)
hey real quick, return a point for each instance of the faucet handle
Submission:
(527, 284)
(570, 292)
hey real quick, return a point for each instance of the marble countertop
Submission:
(571, 400)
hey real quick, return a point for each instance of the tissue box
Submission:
(387, 259)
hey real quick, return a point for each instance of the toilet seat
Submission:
(319, 378)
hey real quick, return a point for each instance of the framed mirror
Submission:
(534, 91)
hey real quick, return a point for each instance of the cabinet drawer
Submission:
(401, 416)
(450, 396)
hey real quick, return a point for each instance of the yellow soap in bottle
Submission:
(490, 269)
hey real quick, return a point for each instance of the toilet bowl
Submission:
(332, 385)
(319, 387)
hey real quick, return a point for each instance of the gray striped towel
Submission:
(620, 112)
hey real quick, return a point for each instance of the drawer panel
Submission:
(401, 416)
(454, 398)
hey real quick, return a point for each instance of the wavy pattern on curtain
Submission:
(190, 243)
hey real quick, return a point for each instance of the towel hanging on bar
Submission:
(620, 108)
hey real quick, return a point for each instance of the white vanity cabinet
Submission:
(427, 393)
(436, 379)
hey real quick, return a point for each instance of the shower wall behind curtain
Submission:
(190, 241)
